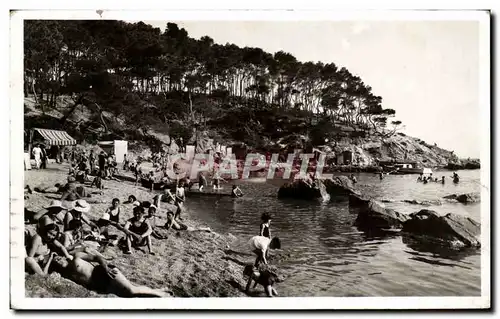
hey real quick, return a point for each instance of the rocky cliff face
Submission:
(399, 147)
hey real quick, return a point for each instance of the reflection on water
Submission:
(328, 256)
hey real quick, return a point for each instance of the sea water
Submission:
(329, 256)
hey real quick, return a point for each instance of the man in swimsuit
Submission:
(138, 231)
(103, 277)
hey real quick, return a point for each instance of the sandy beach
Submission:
(189, 264)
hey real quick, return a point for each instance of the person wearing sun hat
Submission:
(54, 209)
(77, 211)
(53, 213)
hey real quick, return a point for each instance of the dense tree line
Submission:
(149, 77)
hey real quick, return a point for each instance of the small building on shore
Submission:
(117, 147)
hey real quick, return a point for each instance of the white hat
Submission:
(136, 203)
(81, 206)
(153, 206)
(55, 204)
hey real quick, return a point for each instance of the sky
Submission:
(428, 71)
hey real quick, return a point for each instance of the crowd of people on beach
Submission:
(66, 240)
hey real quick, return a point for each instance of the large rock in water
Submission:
(451, 229)
(465, 198)
(299, 189)
(340, 185)
(374, 216)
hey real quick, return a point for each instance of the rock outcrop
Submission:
(424, 202)
(450, 230)
(465, 198)
(464, 164)
(374, 216)
(340, 185)
(301, 189)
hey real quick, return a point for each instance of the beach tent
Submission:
(52, 137)
(49, 138)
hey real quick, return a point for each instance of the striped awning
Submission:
(53, 137)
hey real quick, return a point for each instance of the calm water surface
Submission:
(328, 256)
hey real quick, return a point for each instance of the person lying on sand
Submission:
(56, 189)
(40, 246)
(102, 278)
(73, 192)
(138, 231)
(260, 246)
(79, 207)
(264, 275)
(172, 223)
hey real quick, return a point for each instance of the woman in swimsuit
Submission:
(110, 217)
(40, 247)
(265, 229)
(138, 231)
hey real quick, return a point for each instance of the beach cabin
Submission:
(117, 147)
(344, 158)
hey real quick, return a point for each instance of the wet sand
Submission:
(189, 264)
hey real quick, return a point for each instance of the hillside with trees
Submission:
(134, 80)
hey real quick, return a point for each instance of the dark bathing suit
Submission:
(100, 280)
(265, 232)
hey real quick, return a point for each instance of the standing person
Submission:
(180, 197)
(102, 161)
(202, 181)
(37, 153)
(442, 180)
(265, 226)
(43, 157)
(92, 161)
(151, 179)
(125, 162)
